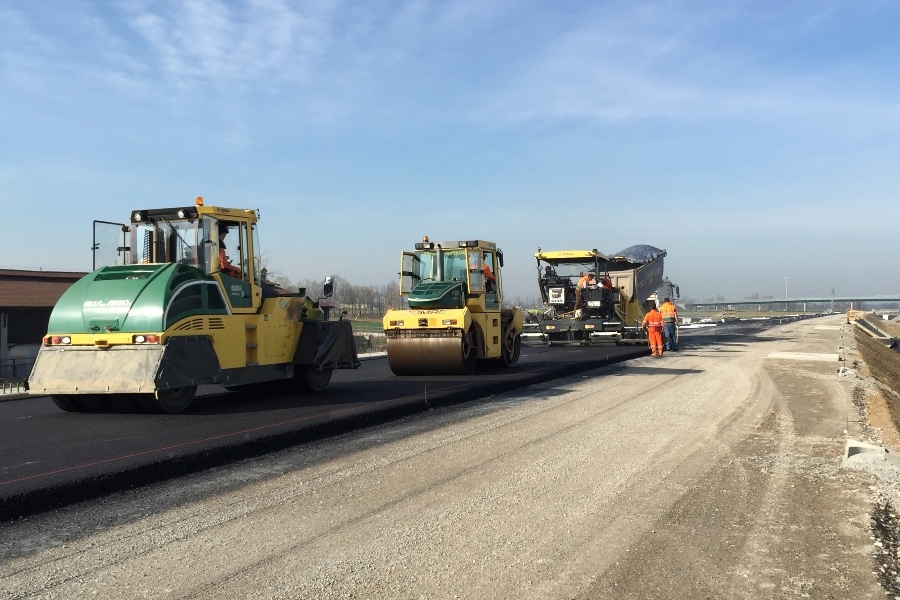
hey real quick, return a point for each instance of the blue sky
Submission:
(752, 140)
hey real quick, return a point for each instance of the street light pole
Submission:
(785, 288)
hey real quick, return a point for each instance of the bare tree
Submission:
(283, 282)
(360, 301)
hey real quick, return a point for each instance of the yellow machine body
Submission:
(171, 311)
(455, 315)
(609, 309)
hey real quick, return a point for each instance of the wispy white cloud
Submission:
(213, 41)
(20, 50)
(328, 58)
(662, 60)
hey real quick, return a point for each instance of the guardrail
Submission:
(12, 387)
(370, 342)
(15, 369)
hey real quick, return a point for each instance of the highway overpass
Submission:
(804, 304)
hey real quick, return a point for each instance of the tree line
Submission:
(360, 301)
(370, 301)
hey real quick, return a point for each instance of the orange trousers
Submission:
(656, 340)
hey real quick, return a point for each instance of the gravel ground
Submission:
(714, 472)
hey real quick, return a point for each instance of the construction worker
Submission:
(224, 265)
(586, 278)
(653, 326)
(670, 324)
(487, 273)
(490, 282)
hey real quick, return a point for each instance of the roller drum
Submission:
(446, 355)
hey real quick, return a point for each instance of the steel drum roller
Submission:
(445, 355)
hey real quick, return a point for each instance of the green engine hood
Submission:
(438, 294)
(130, 298)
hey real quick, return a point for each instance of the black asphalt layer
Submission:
(50, 458)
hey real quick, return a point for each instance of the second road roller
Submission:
(455, 316)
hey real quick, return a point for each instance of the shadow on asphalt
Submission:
(655, 369)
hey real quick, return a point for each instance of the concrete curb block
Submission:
(868, 457)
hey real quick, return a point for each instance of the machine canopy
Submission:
(640, 253)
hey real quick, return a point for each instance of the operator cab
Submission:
(558, 273)
(454, 268)
(193, 236)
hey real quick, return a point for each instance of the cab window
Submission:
(165, 241)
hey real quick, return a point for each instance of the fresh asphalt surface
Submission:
(50, 458)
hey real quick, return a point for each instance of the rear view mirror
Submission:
(328, 290)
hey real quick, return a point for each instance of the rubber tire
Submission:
(512, 347)
(176, 400)
(94, 403)
(148, 403)
(112, 403)
(310, 380)
(68, 403)
(128, 403)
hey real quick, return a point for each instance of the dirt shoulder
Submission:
(882, 363)
(713, 472)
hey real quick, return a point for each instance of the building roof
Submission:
(34, 289)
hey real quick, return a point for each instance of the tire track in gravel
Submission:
(736, 532)
(539, 466)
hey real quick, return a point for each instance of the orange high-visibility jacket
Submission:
(668, 312)
(652, 320)
(225, 266)
(584, 282)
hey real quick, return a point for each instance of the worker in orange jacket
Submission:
(490, 282)
(486, 269)
(670, 324)
(586, 278)
(653, 325)
(225, 265)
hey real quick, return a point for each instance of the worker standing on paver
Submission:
(670, 324)
(587, 278)
(653, 326)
